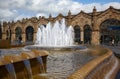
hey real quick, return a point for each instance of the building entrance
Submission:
(110, 31)
(77, 34)
(29, 34)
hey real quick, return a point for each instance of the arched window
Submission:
(77, 34)
(109, 30)
(29, 33)
(8, 34)
(87, 34)
(18, 33)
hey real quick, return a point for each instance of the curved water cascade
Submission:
(11, 70)
(28, 67)
(23, 66)
(41, 64)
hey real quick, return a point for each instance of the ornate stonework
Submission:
(94, 20)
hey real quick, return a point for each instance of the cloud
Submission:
(114, 4)
(41, 14)
(12, 4)
(18, 9)
(7, 14)
(20, 17)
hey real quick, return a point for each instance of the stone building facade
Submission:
(90, 28)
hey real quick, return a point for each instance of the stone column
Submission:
(34, 37)
(4, 36)
(23, 37)
(95, 32)
(95, 38)
(13, 38)
(82, 36)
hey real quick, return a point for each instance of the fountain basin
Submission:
(23, 65)
(62, 59)
(38, 47)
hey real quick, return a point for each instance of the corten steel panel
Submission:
(4, 73)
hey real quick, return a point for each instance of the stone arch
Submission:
(8, 33)
(87, 34)
(29, 34)
(103, 17)
(17, 25)
(18, 33)
(107, 15)
(109, 30)
(77, 31)
(28, 23)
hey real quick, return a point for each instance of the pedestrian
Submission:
(20, 40)
(113, 42)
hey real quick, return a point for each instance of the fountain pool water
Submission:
(56, 37)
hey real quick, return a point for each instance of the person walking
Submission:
(20, 40)
(113, 42)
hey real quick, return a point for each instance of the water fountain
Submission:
(64, 57)
(58, 40)
(56, 37)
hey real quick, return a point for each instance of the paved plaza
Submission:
(115, 49)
